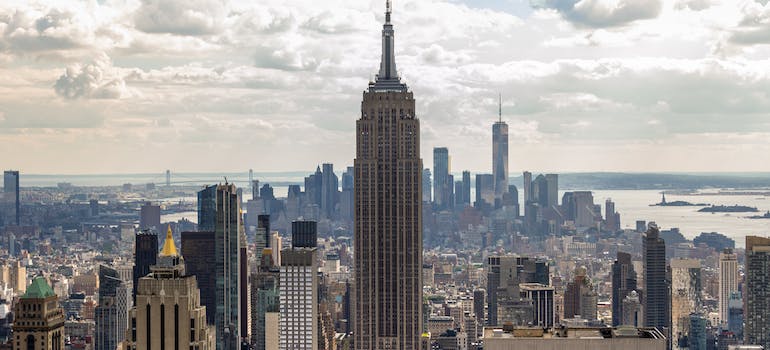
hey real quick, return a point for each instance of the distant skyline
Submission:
(127, 86)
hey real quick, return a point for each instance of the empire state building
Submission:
(388, 205)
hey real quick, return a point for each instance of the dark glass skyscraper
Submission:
(388, 223)
(757, 329)
(623, 282)
(500, 157)
(198, 253)
(145, 255)
(657, 295)
(441, 177)
(304, 234)
(219, 211)
(11, 189)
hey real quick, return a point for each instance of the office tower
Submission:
(579, 207)
(527, 176)
(251, 175)
(735, 314)
(757, 323)
(254, 189)
(656, 292)
(263, 226)
(244, 291)
(685, 296)
(611, 217)
(276, 246)
(314, 187)
(304, 234)
(542, 303)
(145, 255)
(641, 225)
(697, 336)
(329, 191)
(479, 301)
(552, 192)
(347, 205)
(38, 322)
(459, 200)
(11, 190)
(466, 187)
(426, 186)
(485, 190)
(264, 298)
(18, 277)
(502, 284)
(728, 281)
(168, 312)
(441, 177)
(298, 282)
(388, 223)
(219, 211)
(111, 314)
(500, 155)
(149, 218)
(198, 251)
(623, 283)
(580, 298)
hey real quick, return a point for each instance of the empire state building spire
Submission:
(388, 78)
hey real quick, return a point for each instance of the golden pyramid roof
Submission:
(169, 248)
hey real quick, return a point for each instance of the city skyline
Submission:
(94, 79)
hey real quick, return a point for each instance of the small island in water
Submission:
(766, 216)
(664, 203)
(728, 209)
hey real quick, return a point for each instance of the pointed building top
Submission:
(388, 79)
(501, 107)
(169, 248)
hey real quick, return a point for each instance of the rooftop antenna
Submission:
(501, 107)
(388, 10)
(225, 179)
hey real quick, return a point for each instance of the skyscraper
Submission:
(685, 297)
(485, 190)
(219, 211)
(728, 282)
(149, 217)
(388, 223)
(198, 250)
(299, 290)
(11, 189)
(38, 320)
(329, 191)
(527, 176)
(426, 186)
(657, 295)
(500, 156)
(111, 314)
(757, 323)
(441, 177)
(145, 255)
(168, 313)
(466, 187)
(580, 298)
(623, 283)
(264, 298)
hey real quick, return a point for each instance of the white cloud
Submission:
(603, 13)
(96, 79)
(182, 17)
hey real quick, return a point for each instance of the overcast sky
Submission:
(115, 86)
